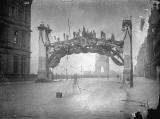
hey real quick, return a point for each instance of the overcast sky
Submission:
(106, 15)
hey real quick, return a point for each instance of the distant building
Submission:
(15, 34)
(141, 68)
(102, 65)
(148, 60)
(153, 40)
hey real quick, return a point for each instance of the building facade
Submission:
(153, 40)
(141, 68)
(148, 59)
(15, 35)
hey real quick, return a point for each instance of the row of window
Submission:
(16, 65)
(24, 64)
(19, 12)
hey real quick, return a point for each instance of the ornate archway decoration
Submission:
(108, 47)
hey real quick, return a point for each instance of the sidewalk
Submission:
(144, 90)
(27, 82)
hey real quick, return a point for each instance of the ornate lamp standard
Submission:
(127, 28)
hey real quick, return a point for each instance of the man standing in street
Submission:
(75, 83)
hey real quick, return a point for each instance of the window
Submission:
(20, 11)
(26, 13)
(15, 64)
(15, 40)
(23, 64)
(23, 39)
(12, 11)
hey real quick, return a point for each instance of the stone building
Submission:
(141, 68)
(153, 40)
(15, 34)
(148, 59)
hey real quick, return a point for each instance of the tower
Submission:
(126, 70)
(43, 67)
(102, 65)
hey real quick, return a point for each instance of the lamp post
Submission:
(127, 27)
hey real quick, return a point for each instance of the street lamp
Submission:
(127, 27)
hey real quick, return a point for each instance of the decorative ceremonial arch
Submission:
(108, 47)
(50, 54)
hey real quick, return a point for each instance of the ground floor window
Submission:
(15, 64)
(23, 65)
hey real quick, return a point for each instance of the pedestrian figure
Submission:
(75, 79)
(75, 83)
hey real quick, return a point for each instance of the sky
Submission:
(106, 15)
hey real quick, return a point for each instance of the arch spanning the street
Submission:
(50, 54)
(103, 46)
